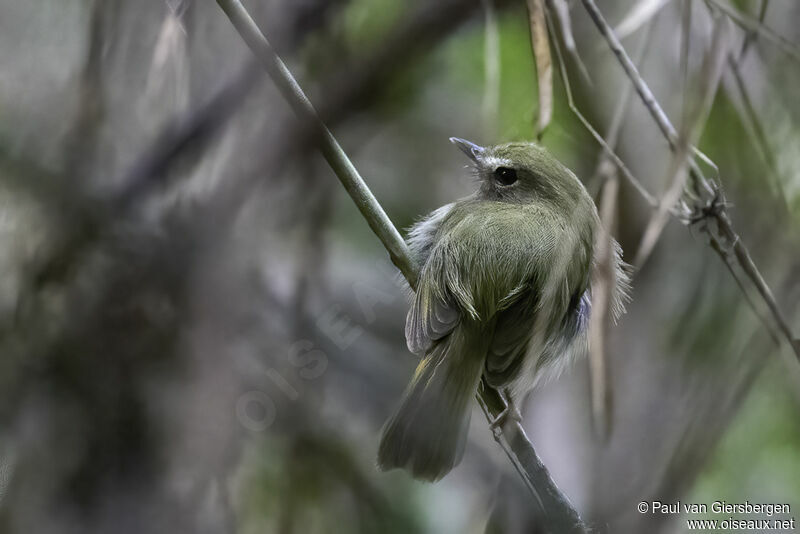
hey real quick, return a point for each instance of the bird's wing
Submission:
(541, 313)
(436, 309)
(433, 314)
(430, 318)
(512, 334)
(471, 270)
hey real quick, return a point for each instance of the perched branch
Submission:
(559, 516)
(552, 506)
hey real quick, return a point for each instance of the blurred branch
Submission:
(189, 132)
(752, 123)
(729, 264)
(754, 25)
(702, 432)
(81, 140)
(561, 8)
(603, 282)
(712, 70)
(612, 155)
(713, 206)
(641, 12)
(359, 84)
(686, 45)
(618, 119)
(491, 54)
(184, 135)
(559, 516)
(544, 65)
(747, 111)
(604, 276)
(752, 35)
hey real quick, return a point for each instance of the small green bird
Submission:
(503, 293)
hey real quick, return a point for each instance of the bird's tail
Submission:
(428, 432)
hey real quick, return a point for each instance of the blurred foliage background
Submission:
(198, 332)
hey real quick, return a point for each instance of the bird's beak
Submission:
(469, 148)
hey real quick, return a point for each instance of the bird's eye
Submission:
(505, 175)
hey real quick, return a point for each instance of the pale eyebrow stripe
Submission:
(495, 162)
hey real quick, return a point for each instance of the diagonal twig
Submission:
(639, 14)
(561, 9)
(608, 151)
(345, 170)
(712, 68)
(713, 208)
(752, 124)
(752, 35)
(753, 25)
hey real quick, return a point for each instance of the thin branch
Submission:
(603, 283)
(540, 46)
(345, 170)
(605, 275)
(641, 12)
(751, 36)
(712, 69)
(748, 265)
(686, 45)
(560, 516)
(713, 209)
(515, 443)
(755, 25)
(491, 54)
(753, 125)
(725, 257)
(561, 9)
(586, 124)
(622, 105)
(633, 73)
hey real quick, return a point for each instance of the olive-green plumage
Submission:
(503, 292)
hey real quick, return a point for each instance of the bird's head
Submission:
(523, 172)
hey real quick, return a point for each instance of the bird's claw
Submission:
(509, 413)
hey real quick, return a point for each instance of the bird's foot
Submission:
(509, 413)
